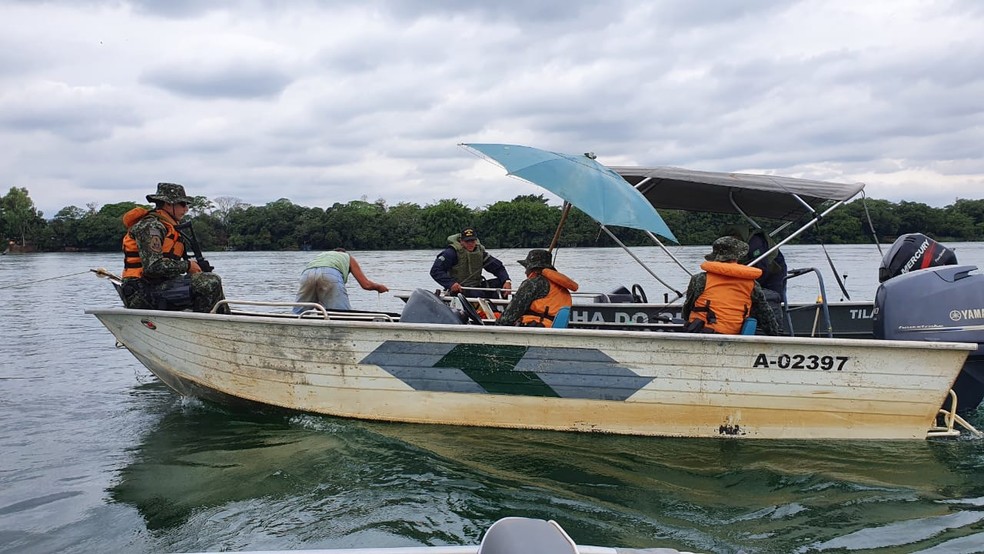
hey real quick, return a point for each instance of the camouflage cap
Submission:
(169, 193)
(726, 249)
(537, 259)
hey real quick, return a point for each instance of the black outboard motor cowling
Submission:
(425, 307)
(620, 294)
(938, 304)
(914, 251)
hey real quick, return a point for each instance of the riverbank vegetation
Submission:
(227, 223)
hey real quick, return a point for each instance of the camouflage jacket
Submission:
(149, 234)
(528, 291)
(760, 309)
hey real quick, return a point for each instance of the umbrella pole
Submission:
(644, 266)
(563, 218)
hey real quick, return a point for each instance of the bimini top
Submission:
(767, 196)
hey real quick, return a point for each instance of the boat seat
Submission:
(520, 535)
(749, 326)
(562, 318)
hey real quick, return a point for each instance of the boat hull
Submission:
(628, 382)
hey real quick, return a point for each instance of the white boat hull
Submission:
(628, 382)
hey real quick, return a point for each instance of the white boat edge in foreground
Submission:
(468, 549)
(509, 535)
(625, 382)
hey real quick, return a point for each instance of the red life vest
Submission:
(543, 310)
(172, 246)
(727, 296)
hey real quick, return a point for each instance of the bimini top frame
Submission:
(786, 199)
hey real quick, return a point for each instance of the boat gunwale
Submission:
(283, 319)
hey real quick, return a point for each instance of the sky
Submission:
(324, 102)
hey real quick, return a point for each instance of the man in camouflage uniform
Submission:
(773, 266)
(544, 292)
(157, 271)
(723, 263)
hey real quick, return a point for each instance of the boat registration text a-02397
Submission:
(802, 361)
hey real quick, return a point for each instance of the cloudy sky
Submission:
(329, 101)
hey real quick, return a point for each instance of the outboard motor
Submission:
(620, 294)
(914, 251)
(938, 304)
(425, 307)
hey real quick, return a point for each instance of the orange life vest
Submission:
(172, 247)
(543, 310)
(727, 296)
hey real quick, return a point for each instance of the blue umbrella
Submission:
(589, 186)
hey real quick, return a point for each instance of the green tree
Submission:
(916, 217)
(210, 232)
(403, 227)
(974, 211)
(19, 219)
(245, 227)
(65, 227)
(525, 222)
(839, 227)
(224, 205)
(311, 226)
(270, 227)
(104, 229)
(443, 219)
(581, 231)
(357, 225)
(200, 205)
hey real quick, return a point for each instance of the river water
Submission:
(98, 456)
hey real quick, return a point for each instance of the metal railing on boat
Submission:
(488, 306)
(312, 310)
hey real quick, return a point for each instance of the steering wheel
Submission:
(639, 295)
(470, 311)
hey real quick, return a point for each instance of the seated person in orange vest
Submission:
(725, 293)
(158, 273)
(773, 279)
(544, 291)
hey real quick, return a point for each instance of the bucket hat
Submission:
(537, 259)
(727, 248)
(737, 230)
(169, 193)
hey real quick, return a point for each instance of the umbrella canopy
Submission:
(589, 186)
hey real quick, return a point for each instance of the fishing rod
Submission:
(27, 283)
(106, 274)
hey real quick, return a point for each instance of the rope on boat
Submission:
(950, 418)
(26, 283)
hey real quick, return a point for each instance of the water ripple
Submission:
(99, 456)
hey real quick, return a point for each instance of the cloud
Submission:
(225, 65)
(235, 80)
(327, 101)
(74, 113)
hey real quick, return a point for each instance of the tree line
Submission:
(528, 221)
